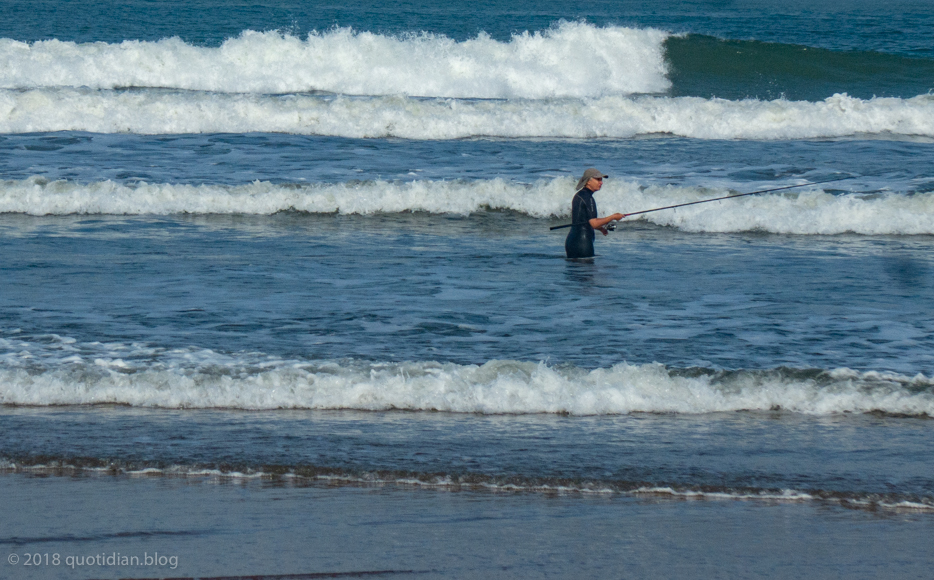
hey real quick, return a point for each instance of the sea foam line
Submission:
(618, 117)
(809, 210)
(470, 481)
(571, 59)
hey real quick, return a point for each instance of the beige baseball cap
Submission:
(588, 174)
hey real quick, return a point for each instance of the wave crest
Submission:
(572, 59)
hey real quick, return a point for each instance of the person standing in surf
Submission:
(584, 220)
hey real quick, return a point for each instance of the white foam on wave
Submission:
(38, 196)
(789, 495)
(786, 495)
(572, 59)
(61, 373)
(173, 112)
(809, 210)
(806, 211)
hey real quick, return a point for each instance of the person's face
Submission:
(595, 183)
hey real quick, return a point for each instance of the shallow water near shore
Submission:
(864, 461)
(388, 532)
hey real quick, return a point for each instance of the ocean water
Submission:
(279, 295)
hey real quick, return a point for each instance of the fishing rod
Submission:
(714, 199)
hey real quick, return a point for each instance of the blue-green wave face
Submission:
(704, 66)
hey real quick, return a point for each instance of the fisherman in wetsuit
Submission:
(579, 243)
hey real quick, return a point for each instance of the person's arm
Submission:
(599, 223)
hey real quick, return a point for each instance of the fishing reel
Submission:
(610, 227)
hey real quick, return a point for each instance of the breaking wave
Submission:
(60, 371)
(568, 60)
(573, 80)
(810, 210)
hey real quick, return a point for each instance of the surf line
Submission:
(715, 199)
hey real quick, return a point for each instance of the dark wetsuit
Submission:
(579, 243)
